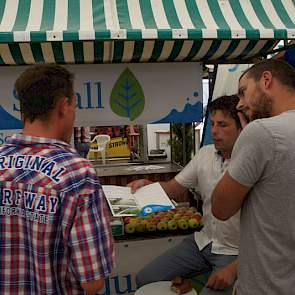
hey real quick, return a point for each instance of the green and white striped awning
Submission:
(112, 31)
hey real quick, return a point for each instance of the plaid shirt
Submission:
(54, 227)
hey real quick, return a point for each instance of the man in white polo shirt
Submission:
(215, 248)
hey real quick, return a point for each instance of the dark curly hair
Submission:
(227, 104)
(40, 87)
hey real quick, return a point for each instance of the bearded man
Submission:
(260, 181)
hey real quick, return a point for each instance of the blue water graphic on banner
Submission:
(190, 113)
(7, 121)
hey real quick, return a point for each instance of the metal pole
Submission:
(183, 144)
(212, 81)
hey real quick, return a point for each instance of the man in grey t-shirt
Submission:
(260, 180)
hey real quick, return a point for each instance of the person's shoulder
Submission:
(205, 152)
(259, 126)
(74, 162)
(256, 133)
(207, 149)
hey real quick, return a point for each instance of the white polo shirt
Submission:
(203, 172)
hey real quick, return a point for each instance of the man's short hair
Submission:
(279, 69)
(228, 105)
(40, 87)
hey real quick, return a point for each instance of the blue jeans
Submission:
(185, 260)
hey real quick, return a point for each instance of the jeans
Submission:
(185, 260)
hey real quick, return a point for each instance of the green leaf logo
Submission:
(127, 97)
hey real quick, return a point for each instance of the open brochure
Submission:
(148, 199)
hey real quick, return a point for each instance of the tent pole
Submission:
(212, 81)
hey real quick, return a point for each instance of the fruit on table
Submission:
(129, 228)
(127, 219)
(182, 223)
(178, 218)
(172, 224)
(193, 223)
(151, 226)
(185, 217)
(140, 227)
(162, 225)
(197, 216)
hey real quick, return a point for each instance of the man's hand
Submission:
(93, 287)
(224, 277)
(136, 184)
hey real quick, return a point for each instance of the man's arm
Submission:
(227, 197)
(224, 277)
(92, 287)
(171, 187)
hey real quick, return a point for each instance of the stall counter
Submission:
(131, 256)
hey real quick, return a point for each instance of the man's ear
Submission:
(62, 106)
(267, 79)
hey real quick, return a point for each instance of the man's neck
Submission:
(225, 155)
(288, 105)
(283, 100)
(39, 129)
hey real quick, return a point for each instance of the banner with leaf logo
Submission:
(120, 94)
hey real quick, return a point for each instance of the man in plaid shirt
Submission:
(55, 236)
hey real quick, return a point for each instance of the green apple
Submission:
(181, 210)
(144, 221)
(172, 224)
(147, 217)
(177, 216)
(129, 228)
(169, 215)
(140, 227)
(188, 213)
(185, 217)
(193, 209)
(193, 223)
(182, 223)
(133, 221)
(162, 225)
(151, 226)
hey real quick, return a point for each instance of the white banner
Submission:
(120, 94)
(227, 79)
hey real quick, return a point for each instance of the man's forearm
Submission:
(173, 188)
(233, 267)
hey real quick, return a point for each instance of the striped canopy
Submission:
(114, 31)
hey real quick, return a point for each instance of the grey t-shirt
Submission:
(264, 159)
